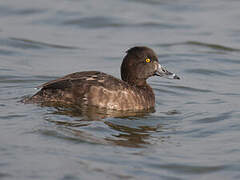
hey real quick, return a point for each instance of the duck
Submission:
(101, 90)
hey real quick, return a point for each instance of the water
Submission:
(194, 133)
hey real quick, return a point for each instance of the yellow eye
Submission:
(148, 60)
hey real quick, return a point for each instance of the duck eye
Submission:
(147, 60)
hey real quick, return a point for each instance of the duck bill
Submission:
(163, 72)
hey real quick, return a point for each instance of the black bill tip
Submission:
(176, 77)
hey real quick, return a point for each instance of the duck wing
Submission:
(73, 79)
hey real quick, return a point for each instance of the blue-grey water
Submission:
(194, 132)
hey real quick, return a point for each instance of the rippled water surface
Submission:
(194, 132)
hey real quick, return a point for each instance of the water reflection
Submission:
(94, 113)
(130, 137)
(101, 126)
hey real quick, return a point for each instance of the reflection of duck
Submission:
(120, 135)
(92, 113)
(129, 136)
(129, 132)
(105, 91)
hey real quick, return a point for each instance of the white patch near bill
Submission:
(159, 66)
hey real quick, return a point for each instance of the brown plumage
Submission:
(93, 88)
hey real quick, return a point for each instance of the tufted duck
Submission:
(93, 88)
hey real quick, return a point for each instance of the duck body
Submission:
(94, 88)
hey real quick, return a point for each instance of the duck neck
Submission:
(137, 82)
(141, 83)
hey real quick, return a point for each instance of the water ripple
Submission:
(190, 89)
(94, 22)
(212, 46)
(201, 44)
(24, 79)
(191, 169)
(22, 43)
(7, 52)
(207, 72)
(178, 90)
(27, 43)
(9, 11)
(168, 91)
(5, 175)
(104, 22)
(219, 117)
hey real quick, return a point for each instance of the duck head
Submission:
(140, 63)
